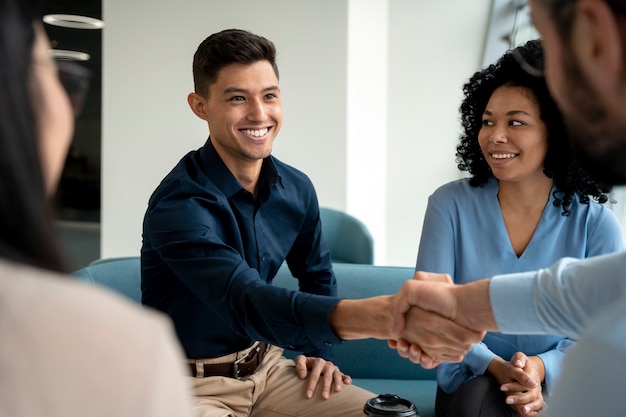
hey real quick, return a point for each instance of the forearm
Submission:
(559, 299)
(362, 319)
(474, 307)
(497, 369)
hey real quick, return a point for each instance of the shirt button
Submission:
(328, 343)
(263, 258)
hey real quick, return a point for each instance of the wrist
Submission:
(495, 367)
(361, 319)
(474, 306)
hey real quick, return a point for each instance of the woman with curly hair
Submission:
(526, 204)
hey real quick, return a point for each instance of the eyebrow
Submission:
(510, 113)
(231, 90)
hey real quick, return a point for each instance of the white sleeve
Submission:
(560, 299)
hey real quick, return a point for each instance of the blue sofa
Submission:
(370, 362)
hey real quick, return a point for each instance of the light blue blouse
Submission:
(464, 235)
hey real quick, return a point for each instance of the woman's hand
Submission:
(521, 381)
(314, 368)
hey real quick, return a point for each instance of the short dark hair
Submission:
(228, 47)
(569, 176)
(562, 13)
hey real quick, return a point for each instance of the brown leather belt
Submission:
(242, 367)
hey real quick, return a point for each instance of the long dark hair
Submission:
(570, 178)
(27, 233)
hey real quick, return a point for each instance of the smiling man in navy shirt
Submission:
(218, 228)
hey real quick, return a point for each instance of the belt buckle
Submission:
(240, 360)
(236, 365)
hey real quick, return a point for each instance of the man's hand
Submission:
(432, 315)
(467, 304)
(425, 309)
(314, 368)
(439, 339)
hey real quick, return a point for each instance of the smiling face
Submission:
(244, 112)
(513, 138)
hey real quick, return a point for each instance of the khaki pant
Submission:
(273, 389)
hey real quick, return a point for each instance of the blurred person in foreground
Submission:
(67, 349)
(585, 47)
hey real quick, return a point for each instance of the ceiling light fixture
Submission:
(73, 21)
(66, 55)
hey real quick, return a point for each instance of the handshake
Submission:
(429, 321)
(437, 321)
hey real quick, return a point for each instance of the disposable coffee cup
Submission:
(390, 405)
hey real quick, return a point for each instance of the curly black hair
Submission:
(569, 176)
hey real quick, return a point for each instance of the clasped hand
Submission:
(520, 379)
(425, 322)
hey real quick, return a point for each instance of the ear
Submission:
(597, 43)
(198, 105)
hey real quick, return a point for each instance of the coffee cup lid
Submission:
(389, 405)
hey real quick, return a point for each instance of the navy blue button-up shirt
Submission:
(210, 252)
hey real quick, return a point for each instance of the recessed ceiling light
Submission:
(69, 55)
(73, 21)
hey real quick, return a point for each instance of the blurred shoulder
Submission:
(42, 302)
(70, 349)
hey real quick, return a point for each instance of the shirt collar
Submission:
(218, 172)
(270, 172)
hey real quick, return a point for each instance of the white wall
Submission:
(367, 93)
(435, 46)
(409, 57)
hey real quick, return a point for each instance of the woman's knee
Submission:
(479, 397)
